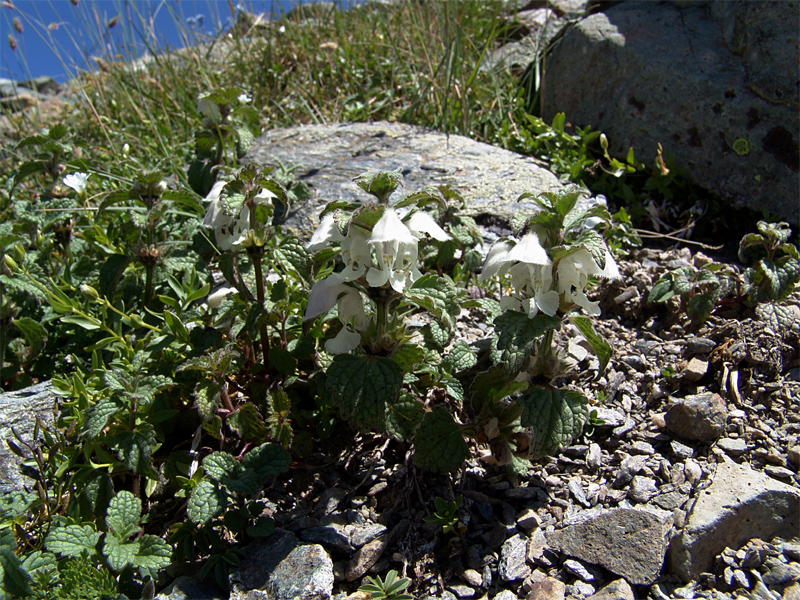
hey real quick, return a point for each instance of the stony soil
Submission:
(744, 376)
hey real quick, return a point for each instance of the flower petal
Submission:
(529, 250)
(327, 232)
(323, 296)
(390, 228)
(344, 341)
(421, 222)
(496, 260)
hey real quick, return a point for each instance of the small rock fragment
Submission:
(694, 370)
(578, 570)
(616, 590)
(642, 489)
(733, 446)
(700, 345)
(512, 559)
(701, 417)
(549, 589)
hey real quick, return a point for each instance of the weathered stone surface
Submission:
(616, 590)
(189, 588)
(739, 505)
(512, 559)
(701, 417)
(716, 83)
(548, 589)
(18, 411)
(490, 179)
(281, 568)
(630, 542)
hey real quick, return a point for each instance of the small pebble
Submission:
(594, 457)
(692, 470)
(778, 472)
(793, 456)
(642, 448)
(472, 577)
(642, 489)
(734, 447)
(578, 570)
(700, 345)
(681, 450)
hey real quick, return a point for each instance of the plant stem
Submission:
(260, 296)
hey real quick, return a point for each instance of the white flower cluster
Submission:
(387, 255)
(229, 229)
(541, 285)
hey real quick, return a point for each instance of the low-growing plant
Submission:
(446, 515)
(771, 278)
(390, 588)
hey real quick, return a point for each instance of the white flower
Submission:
(531, 275)
(209, 108)
(572, 273)
(229, 229)
(395, 250)
(244, 98)
(344, 341)
(215, 300)
(421, 223)
(77, 181)
(329, 292)
(327, 232)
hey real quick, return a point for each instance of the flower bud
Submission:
(12, 42)
(18, 25)
(89, 292)
(604, 142)
(134, 321)
(10, 263)
(19, 253)
(126, 149)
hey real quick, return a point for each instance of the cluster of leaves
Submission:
(771, 279)
(109, 289)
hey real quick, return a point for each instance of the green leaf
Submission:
(219, 465)
(779, 316)
(154, 554)
(436, 335)
(439, 443)
(700, 307)
(282, 360)
(248, 423)
(263, 527)
(207, 398)
(120, 554)
(33, 332)
(460, 358)
(453, 387)
(122, 517)
(380, 184)
(72, 540)
(403, 417)
(518, 334)
(206, 501)
(556, 418)
(438, 296)
(110, 274)
(493, 385)
(98, 415)
(362, 386)
(407, 356)
(267, 460)
(662, 290)
(135, 449)
(598, 343)
(293, 257)
(13, 578)
(80, 322)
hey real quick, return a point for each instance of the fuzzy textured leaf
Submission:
(460, 358)
(154, 554)
(248, 423)
(598, 343)
(555, 417)
(72, 540)
(362, 386)
(135, 449)
(403, 417)
(439, 443)
(517, 336)
(219, 465)
(122, 517)
(206, 501)
(437, 295)
(98, 415)
(293, 257)
(267, 460)
(120, 554)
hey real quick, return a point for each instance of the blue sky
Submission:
(57, 32)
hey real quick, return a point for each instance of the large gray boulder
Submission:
(490, 179)
(18, 412)
(739, 505)
(715, 82)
